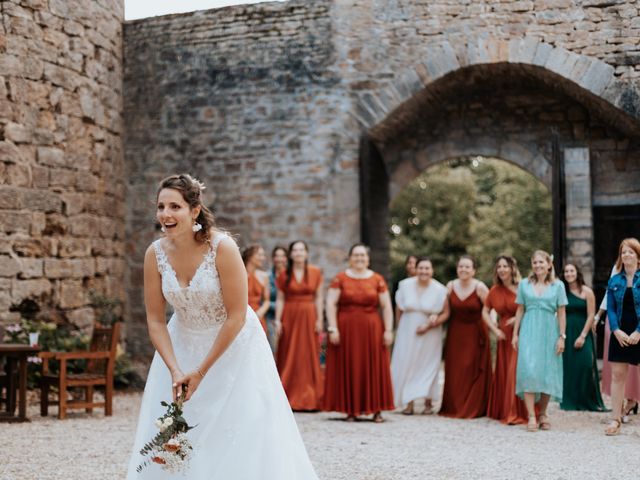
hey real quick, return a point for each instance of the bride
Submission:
(215, 348)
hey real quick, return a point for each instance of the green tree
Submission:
(483, 207)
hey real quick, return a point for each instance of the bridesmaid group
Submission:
(543, 328)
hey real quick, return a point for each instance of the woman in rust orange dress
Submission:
(467, 357)
(504, 404)
(298, 323)
(257, 281)
(358, 372)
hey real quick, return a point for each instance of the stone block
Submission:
(62, 77)
(51, 156)
(597, 77)
(441, 59)
(31, 268)
(11, 198)
(39, 176)
(9, 153)
(43, 201)
(69, 268)
(31, 288)
(84, 225)
(71, 294)
(18, 174)
(83, 318)
(14, 221)
(523, 50)
(9, 266)
(70, 247)
(18, 133)
(38, 223)
(541, 56)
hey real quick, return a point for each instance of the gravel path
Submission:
(417, 447)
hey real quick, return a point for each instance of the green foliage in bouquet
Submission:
(170, 447)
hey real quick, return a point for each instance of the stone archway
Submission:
(407, 131)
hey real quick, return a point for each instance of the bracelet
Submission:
(332, 329)
(200, 372)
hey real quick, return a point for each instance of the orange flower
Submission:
(158, 460)
(172, 445)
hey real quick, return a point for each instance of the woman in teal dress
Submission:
(539, 335)
(581, 389)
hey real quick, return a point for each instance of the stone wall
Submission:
(61, 162)
(269, 105)
(245, 99)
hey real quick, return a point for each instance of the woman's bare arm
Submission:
(155, 304)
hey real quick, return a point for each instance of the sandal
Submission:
(613, 428)
(408, 409)
(428, 409)
(350, 418)
(532, 426)
(629, 410)
(377, 418)
(544, 422)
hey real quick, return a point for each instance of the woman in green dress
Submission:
(581, 384)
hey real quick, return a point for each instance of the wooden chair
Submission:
(101, 359)
(8, 381)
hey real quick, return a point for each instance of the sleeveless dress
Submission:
(581, 385)
(467, 360)
(256, 292)
(504, 404)
(245, 429)
(358, 378)
(415, 363)
(298, 354)
(539, 368)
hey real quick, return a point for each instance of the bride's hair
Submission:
(191, 191)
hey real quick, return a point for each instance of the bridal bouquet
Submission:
(170, 448)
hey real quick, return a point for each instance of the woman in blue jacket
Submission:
(623, 311)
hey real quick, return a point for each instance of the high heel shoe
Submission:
(633, 409)
(626, 411)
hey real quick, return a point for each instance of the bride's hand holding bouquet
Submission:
(188, 383)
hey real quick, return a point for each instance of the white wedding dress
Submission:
(245, 429)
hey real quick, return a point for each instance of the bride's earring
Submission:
(163, 229)
(196, 227)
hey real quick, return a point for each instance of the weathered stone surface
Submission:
(56, 122)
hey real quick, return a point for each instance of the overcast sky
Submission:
(150, 8)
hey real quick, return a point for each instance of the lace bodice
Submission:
(199, 305)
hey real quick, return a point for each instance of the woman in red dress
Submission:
(358, 372)
(298, 323)
(504, 405)
(257, 281)
(467, 357)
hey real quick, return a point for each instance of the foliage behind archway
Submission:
(480, 206)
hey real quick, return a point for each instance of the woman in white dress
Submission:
(421, 309)
(215, 347)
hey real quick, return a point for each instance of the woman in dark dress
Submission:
(623, 311)
(581, 386)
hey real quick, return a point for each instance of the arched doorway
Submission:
(556, 126)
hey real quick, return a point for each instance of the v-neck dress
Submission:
(298, 355)
(244, 426)
(467, 360)
(539, 368)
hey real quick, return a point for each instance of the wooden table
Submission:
(17, 353)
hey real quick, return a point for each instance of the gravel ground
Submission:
(416, 447)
